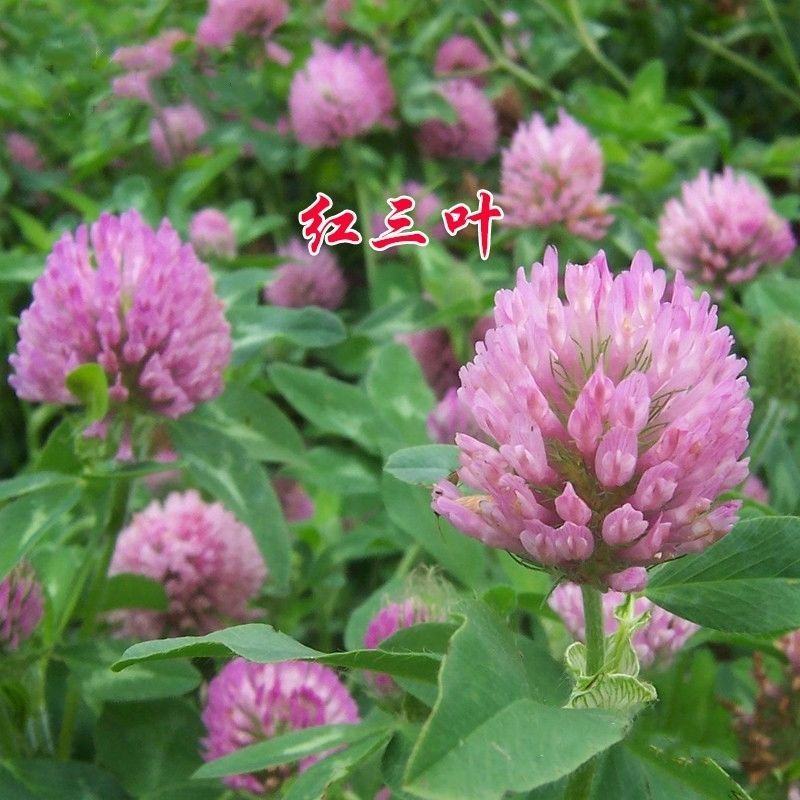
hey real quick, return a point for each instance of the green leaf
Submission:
(400, 396)
(90, 663)
(256, 423)
(314, 782)
(284, 749)
(265, 645)
(424, 464)
(32, 482)
(193, 182)
(409, 507)
(149, 745)
(89, 384)
(223, 468)
(45, 779)
(254, 328)
(487, 734)
(331, 405)
(32, 230)
(131, 590)
(637, 770)
(26, 521)
(748, 582)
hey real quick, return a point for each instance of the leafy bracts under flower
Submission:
(655, 641)
(617, 420)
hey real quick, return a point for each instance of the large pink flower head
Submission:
(306, 280)
(133, 299)
(461, 54)
(655, 642)
(339, 94)
(208, 561)
(553, 175)
(225, 19)
(617, 420)
(24, 151)
(211, 233)
(474, 134)
(249, 703)
(386, 622)
(21, 606)
(175, 131)
(722, 230)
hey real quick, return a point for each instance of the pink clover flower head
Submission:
(340, 94)
(306, 280)
(553, 175)
(24, 151)
(208, 561)
(21, 606)
(249, 703)
(656, 642)
(461, 54)
(133, 299)
(616, 421)
(175, 132)
(722, 230)
(211, 234)
(473, 136)
(225, 19)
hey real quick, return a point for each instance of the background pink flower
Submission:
(249, 703)
(461, 54)
(306, 280)
(722, 230)
(21, 606)
(474, 134)
(655, 642)
(553, 175)
(24, 151)
(211, 234)
(175, 131)
(339, 94)
(208, 561)
(225, 19)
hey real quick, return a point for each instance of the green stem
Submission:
(591, 46)
(94, 601)
(503, 62)
(580, 783)
(746, 64)
(9, 745)
(407, 561)
(595, 636)
(774, 416)
(789, 56)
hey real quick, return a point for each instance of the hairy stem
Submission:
(94, 600)
(595, 637)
